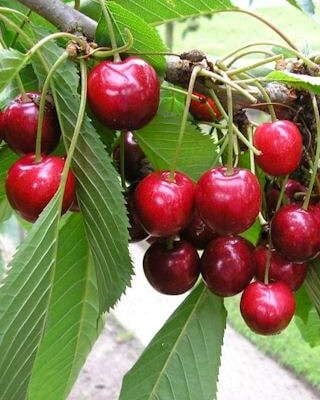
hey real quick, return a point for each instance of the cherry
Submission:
(163, 206)
(205, 109)
(136, 230)
(124, 95)
(197, 232)
(20, 121)
(226, 265)
(281, 145)
(295, 233)
(229, 204)
(30, 185)
(171, 270)
(267, 309)
(281, 270)
(134, 158)
(293, 187)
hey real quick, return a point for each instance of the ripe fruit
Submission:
(293, 187)
(281, 145)
(295, 233)
(163, 206)
(124, 95)
(171, 270)
(204, 110)
(197, 232)
(226, 265)
(136, 230)
(20, 121)
(281, 270)
(30, 186)
(267, 309)
(229, 204)
(134, 158)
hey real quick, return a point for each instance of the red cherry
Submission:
(136, 230)
(164, 207)
(281, 145)
(281, 270)
(134, 158)
(198, 233)
(205, 109)
(229, 204)
(293, 187)
(226, 265)
(267, 309)
(171, 270)
(124, 95)
(295, 233)
(30, 186)
(20, 122)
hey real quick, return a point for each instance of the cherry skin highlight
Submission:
(281, 270)
(20, 122)
(226, 265)
(204, 110)
(267, 309)
(228, 204)
(281, 145)
(171, 270)
(30, 186)
(164, 207)
(124, 95)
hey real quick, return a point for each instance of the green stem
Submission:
(259, 63)
(283, 188)
(99, 53)
(221, 151)
(317, 156)
(247, 53)
(14, 40)
(181, 91)
(108, 19)
(5, 10)
(42, 104)
(267, 100)
(252, 163)
(230, 132)
(268, 264)
(122, 160)
(193, 78)
(77, 4)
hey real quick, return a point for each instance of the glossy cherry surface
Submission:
(281, 270)
(124, 95)
(295, 233)
(136, 230)
(30, 186)
(204, 110)
(281, 145)
(164, 207)
(134, 158)
(267, 309)
(171, 270)
(229, 204)
(20, 121)
(198, 233)
(226, 265)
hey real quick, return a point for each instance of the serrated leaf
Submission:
(72, 318)
(159, 12)
(304, 82)
(7, 158)
(11, 62)
(305, 5)
(145, 38)
(182, 361)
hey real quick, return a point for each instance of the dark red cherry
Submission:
(164, 207)
(292, 188)
(205, 109)
(229, 204)
(30, 185)
(134, 158)
(267, 309)
(281, 270)
(295, 233)
(226, 265)
(171, 270)
(281, 145)
(124, 95)
(198, 233)
(136, 230)
(20, 121)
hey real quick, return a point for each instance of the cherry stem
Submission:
(101, 52)
(221, 151)
(122, 160)
(77, 4)
(317, 156)
(6, 10)
(192, 81)
(42, 104)
(268, 264)
(259, 63)
(14, 40)
(181, 91)
(282, 191)
(230, 132)
(170, 243)
(247, 53)
(109, 22)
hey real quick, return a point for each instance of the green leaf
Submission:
(161, 11)
(304, 82)
(72, 319)
(146, 38)
(7, 158)
(305, 5)
(11, 62)
(5, 210)
(182, 361)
